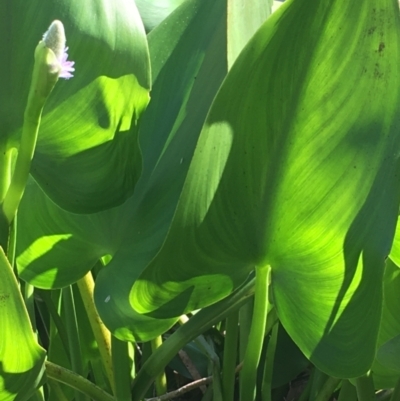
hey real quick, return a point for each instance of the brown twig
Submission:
(188, 387)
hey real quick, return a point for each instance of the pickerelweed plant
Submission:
(50, 64)
(234, 235)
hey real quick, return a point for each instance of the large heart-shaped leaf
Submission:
(21, 358)
(87, 156)
(188, 72)
(56, 247)
(296, 167)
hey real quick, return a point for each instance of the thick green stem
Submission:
(161, 379)
(5, 178)
(46, 296)
(257, 333)
(396, 392)
(101, 333)
(318, 380)
(5, 169)
(365, 388)
(122, 369)
(347, 392)
(43, 81)
(327, 389)
(56, 389)
(266, 390)
(230, 356)
(203, 320)
(77, 382)
(73, 335)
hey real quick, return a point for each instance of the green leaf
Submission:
(395, 251)
(296, 167)
(243, 22)
(87, 156)
(153, 12)
(389, 352)
(385, 371)
(188, 69)
(21, 358)
(55, 248)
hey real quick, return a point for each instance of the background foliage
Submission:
(215, 193)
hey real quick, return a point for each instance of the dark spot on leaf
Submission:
(381, 47)
(371, 30)
(4, 297)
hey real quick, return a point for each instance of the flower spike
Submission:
(55, 40)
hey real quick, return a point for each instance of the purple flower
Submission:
(55, 40)
(66, 66)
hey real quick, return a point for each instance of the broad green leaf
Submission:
(243, 22)
(289, 361)
(188, 69)
(56, 248)
(87, 157)
(395, 251)
(153, 12)
(384, 370)
(296, 167)
(21, 358)
(389, 352)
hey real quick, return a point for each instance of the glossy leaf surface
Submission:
(385, 370)
(61, 247)
(153, 12)
(21, 358)
(87, 157)
(296, 168)
(188, 71)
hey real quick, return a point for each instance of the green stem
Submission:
(122, 369)
(43, 81)
(29, 298)
(56, 389)
(161, 379)
(5, 178)
(12, 243)
(46, 296)
(266, 391)
(5, 168)
(73, 335)
(327, 389)
(230, 356)
(365, 388)
(347, 392)
(77, 382)
(245, 316)
(396, 392)
(318, 380)
(200, 322)
(257, 333)
(101, 333)
(26, 150)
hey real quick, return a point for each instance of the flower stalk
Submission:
(50, 64)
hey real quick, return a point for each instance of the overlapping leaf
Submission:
(153, 12)
(188, 71)
(384, 371)
(21, 358)
(87, 156)
(55, 247)
(296, 167)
